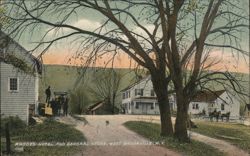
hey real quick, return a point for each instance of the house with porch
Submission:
(19, 79)
(139, 98)
(221, 100)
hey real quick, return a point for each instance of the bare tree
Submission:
(79, 100)
(167, 37)
(107, 86)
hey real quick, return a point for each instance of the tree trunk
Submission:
(160, 88)
(7, 135)
(181, 118)
(165, 114)
(113, 103)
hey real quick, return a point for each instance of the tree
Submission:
(106, 87)
(169, 38)
(3, 18)
(79, 100)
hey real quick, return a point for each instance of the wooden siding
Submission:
(16, 103)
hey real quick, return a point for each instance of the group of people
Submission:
(58, 103)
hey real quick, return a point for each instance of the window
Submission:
(136, 106)
(13, 84)
(197, 106)
(152, 106)
(123, 95)
(152, 92)
(222, 107)
(139, 92)
(127, 94)
(193, 106)
(2, 51)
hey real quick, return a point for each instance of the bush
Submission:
(16, 125)
(79, 101)
(51, 131)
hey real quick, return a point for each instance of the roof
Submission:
(207, 96)
(133, 84)
(146, 97)
(95, 106)
(5, 40)
(60, 93)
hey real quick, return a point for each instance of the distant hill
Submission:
(66, 78)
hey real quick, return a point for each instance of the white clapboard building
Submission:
(19, 79)
(221, 100)
(139, 98)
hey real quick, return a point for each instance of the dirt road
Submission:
(107, 131)
(113, 139)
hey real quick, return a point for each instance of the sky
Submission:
(61, 52)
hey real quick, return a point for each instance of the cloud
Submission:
(84, 24)
(150, 28)
(87, 24)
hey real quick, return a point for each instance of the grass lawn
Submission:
(49, 132)
(152, 132)
(237, 134)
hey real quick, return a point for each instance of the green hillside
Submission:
(67, 78)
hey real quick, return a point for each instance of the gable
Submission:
(207, 96)
(145, 79)
(13, 53)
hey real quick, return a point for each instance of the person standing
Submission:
(48, 94)
(65, 106)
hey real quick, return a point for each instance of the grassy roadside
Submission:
(51, 132)
(152, 131)
(237, 134)
(80, 118)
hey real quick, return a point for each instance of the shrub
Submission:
(51, 131)
(16, 125)
(79, 101)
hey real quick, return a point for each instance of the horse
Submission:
(214, 114)
(226, 115)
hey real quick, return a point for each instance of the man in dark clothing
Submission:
(65, 106)
(60, 106)
(53, 106)
(48, 94)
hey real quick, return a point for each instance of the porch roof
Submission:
(146, 97)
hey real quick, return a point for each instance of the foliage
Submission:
(237, 134)
(51, 131)
(4, 21)
(18, 63)
(182, 36)
(16, 125)
(107, 86)
(79, 101)
(152, 131)
(52, 151)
